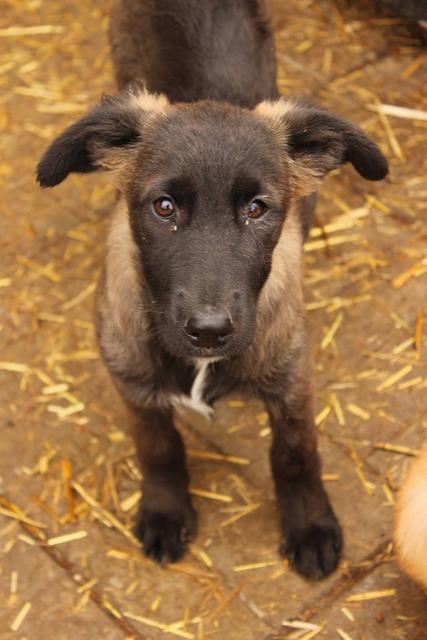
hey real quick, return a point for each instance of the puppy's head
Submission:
(208, 187)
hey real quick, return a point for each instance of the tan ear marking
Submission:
(152, 102)
(275, 109)
(118, 160)
(304, 176)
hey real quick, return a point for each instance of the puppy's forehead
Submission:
(211, 137)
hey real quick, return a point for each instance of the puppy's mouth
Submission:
(209, 353)
(179, 345)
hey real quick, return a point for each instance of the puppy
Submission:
(201, 293)
(410, 534)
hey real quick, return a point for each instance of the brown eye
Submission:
(164, 207)
(255, 209)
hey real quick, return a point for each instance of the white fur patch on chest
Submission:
(195, 400)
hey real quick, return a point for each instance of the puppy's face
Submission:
(207, 187)
(206, 201)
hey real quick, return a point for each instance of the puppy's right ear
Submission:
(115, 124)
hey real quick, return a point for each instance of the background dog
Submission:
(410, 534)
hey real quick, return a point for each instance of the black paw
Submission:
(314, 551)
(165, 535)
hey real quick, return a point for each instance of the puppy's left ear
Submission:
(316, 141)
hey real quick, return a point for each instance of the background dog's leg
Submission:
(166, 518)
(312, 534)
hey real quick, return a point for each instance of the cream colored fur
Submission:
(410, 535)
(286, 264)
(122, 286)
(275, 109)
(280, 309)
(151, 102)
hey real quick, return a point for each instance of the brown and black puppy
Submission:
(202, 289)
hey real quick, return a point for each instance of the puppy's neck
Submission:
(124, 279)
(284, 280)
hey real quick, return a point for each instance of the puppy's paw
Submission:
(314, 551)
(165, 535)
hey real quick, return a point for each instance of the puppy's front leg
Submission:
(312, 534)
(166, 518)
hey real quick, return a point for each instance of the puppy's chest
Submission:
(208, 384)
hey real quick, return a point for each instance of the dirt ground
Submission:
(67, 466)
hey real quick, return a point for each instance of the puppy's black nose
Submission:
(209, 330)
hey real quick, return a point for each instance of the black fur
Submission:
(112, 123)
(327, 141)
(194, 50)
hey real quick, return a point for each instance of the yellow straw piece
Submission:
(255, 565)
(40, 30)
(372, 595)
(21, 616)
(210, 495)
(68, 537)
(329, 336)
(158, 625)
(220, 457)
(358, 411)
(391, 380)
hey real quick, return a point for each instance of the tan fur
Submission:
(121, 320)
(118, 160)
(122, 285)
(410, 535)
(273, 113)
(152, 102)
(280, 309)
(304, 179)
(286, 264)
(275, 109)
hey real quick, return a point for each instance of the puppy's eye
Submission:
(254, 209)
(164, 207)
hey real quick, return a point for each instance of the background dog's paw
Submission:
(314, 552)
(165, 535)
